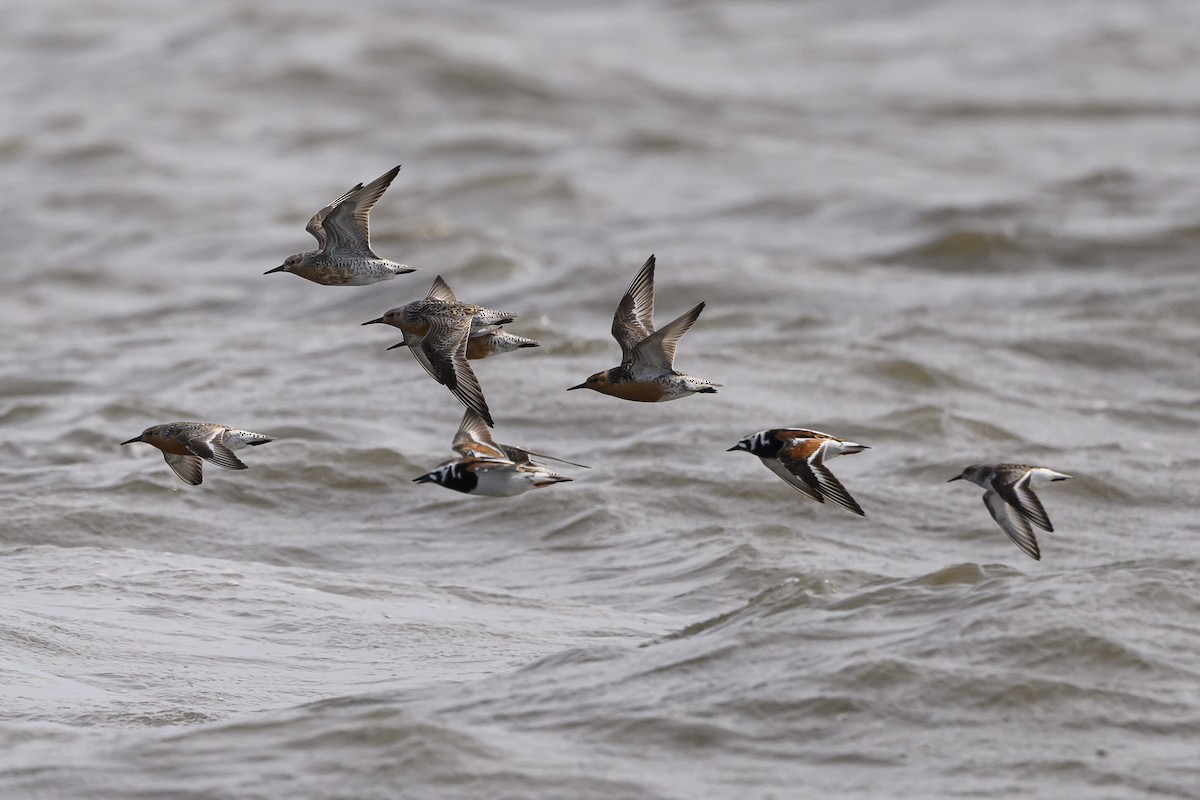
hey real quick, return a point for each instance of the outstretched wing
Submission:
(316, 225)
(444, 347)
(632, 322)
(795, 469)
(1013, 523)
(441, 291)
(520, 455)
(190, 469)
(1020, 494)
(346, 226)
(212, 448)
(657, 351)
(830, 487)
(474, 440)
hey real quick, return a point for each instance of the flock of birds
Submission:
(445, 334)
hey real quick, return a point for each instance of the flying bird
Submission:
(187, 445)
(1009, 497)
(647, 370)
(437, 330)
(344, 256)
(798, 455)
(487, 468)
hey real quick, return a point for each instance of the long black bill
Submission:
(280, 268)
(955, 478)
(137, 438)
(397, 344)
(423, 479)
(580, 386)
(373, 321)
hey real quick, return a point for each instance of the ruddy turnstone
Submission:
(647, 370)
(345, 257)
(1009, 497)
(488, 468)
(184, 444)
(798, 456)
(437, 330)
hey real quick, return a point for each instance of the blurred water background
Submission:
(954, 231)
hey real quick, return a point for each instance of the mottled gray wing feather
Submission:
(632, 322)
(190, 469)
(414, 347)
(475, 440)
(445, 347)
(440, 290)
(1013, 523)
(346, 226)
(657, 351)
(316, 225)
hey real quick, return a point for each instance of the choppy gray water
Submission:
(956, 232)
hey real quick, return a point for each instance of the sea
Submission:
(958, 232)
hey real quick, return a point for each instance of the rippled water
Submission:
(956, 232)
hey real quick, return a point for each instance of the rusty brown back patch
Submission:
(801, 450)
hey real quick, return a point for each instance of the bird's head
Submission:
(289, 264)
(972, 473)
(595, 382)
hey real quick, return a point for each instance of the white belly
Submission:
(503, 482)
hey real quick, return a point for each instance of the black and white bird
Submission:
(487, 468)
(1009, 497)
(798, 455)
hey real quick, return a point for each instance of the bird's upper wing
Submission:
(830, 486)
(632, 322)
(345, 225)
(797, 470)
(522, 456)
(1013, 523)
(211, 447)
(440, 290)
(474, 439)
(316, 225)
(657, 351)
(445, 348)
(1019, 494)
